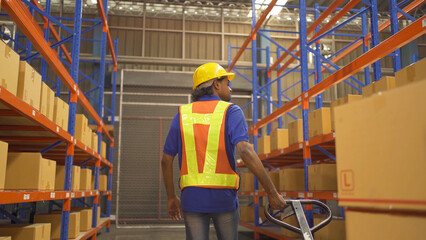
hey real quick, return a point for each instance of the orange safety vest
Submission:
(204, 159)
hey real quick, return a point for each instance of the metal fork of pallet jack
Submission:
(297, 207)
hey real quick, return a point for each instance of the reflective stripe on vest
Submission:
(208, 177)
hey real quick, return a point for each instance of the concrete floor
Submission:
(156, 233)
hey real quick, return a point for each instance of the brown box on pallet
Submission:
(55, 220)
(319, 122)
(60, 113)
(60, 178)
(29, 85)
(85, 218)
(373, 136)
(85, 179)
(28, 171)
(275, 177)
(26, 231)
(264, 145)
(344, 100)
(247, 214)
(9, 68)
(292, 221)
(292, 179)
(322, 177)
(103, 149)
(368, 90)
(335, 230)
(413, 73)
(279, 139)
(295, 132)
(3, 163)
(47, 101)
(81, 128)
(103, 182)
(247, 182)
(374, 226)
(384, 84)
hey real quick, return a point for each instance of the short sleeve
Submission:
(171, 146)
(237, 125)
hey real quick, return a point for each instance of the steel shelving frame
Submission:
(66, 149)
(302, 153)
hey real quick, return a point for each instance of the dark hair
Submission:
(199, 92)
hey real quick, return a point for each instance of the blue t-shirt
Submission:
(209, 200)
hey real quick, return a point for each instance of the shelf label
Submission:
(52, 195)
(34, 113)
(301, 195)
(27, 196)
(75, 141)
(0, 91)
(284, 194)
(424, 22)
(334, 134)
(78, 92)
(310, 195)
(307, 143)
(85, 148)
(91, 193)
(299, 99)
(335, 195)
(301, 145)
(306, 95)
(57, 129)
(72, 195)
(68, 195)
(83, 194)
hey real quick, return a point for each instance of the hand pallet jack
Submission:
(297, 206)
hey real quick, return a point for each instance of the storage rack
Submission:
(61, 143)
(302, 153)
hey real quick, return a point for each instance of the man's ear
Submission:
(215, 84)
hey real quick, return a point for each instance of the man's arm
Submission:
(253, 163)
(173, 202)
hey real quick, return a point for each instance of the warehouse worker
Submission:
(204, 134)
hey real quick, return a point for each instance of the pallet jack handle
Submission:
(297, 207)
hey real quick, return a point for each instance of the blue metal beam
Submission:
(326, 152)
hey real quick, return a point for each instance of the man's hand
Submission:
(276, 201)
(173, 209)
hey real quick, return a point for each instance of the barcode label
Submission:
(83, 194)
(310, 195)
(424, 22)
(335, 195)
(68, 195)
(301, 195)
(34, 113)
(52, 195)
(57, 129)
(91, 193)
(72, 195)
(26, 196)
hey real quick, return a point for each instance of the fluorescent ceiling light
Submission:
(275, 10)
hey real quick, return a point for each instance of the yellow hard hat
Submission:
(208, 72)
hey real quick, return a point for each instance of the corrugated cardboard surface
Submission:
(335, 230)
(24, 171)
(95, 142)
(319, 122)
(384, 84)
(247, 214)
(9, 68)
(292, 221)
(85, 218)
(81, 128)
(3, 163)
(344, 100)
(322, 177)
(381, 150)
(275, 177)
(279, 139)
(103, 149)
(6, 238)
(247, 182)
(295, 132)
(103, 182)
(26, 231)
(368, 90)
(61, 112)
(375, 226)
(49, 174)
(29, 85)
(292, 179)
(413, 73)
(55, 220)
(264, 145)
(85, 179)
(60, 177)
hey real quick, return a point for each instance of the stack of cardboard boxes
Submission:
(381, 146)
(25, 231)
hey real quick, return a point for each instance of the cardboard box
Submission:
(81, 128)
(47, 101)
(247, 214)
(344, 100)
(295, 132)
(373, 136)
(319, 122)
(49, 173)
(368, 90)
(27, 171)
(275, 177)
(322, 177)
(247, 182)
(6, 238)
(292, 221)
(103, 182)
(263, 145)
(9, 68)
(98, 220)
(61, 113)
(335, 230)
(413, 73)
(55, 220)
(95, 142)
(384, 84)
(103, 149)
(3, 161)
(374, 226)
(60, 178)
(86, 215)
(279, 139)
(26, 231)
(292, 179)
(29, 85)
(85, 179)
